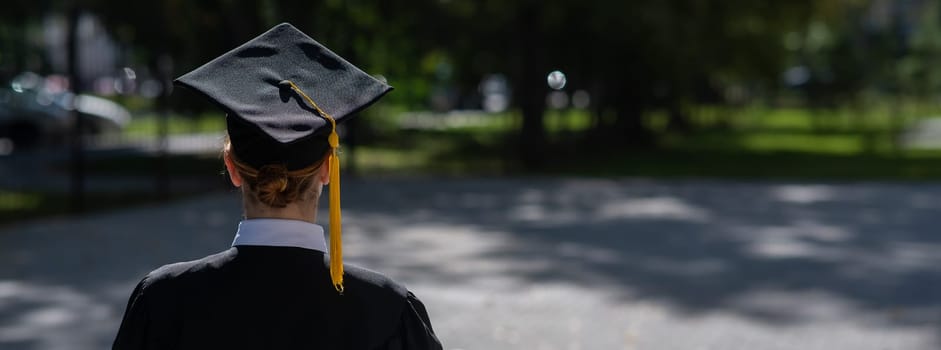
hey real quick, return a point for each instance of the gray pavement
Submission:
(548, 263)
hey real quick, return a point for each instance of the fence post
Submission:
(164, 70)
(77, 142)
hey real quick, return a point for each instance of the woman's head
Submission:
(274, 185)
(273, 119)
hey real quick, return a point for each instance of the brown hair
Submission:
(274, 185)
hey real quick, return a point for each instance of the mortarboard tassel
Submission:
(336, 245)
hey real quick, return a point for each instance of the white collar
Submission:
(280, 233)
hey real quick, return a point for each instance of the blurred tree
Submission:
(15, 20)
(632, 57)
(917, 75)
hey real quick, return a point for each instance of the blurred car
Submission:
(31, 118)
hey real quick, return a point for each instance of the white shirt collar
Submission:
(280, 233)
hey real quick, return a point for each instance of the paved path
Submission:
(549, 264)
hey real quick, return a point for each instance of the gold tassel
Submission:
(336, 245)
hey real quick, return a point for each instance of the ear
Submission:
(233, 172)
(323, 174)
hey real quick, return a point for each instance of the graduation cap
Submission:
(283, 94)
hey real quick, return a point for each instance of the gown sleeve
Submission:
(133, 331)
(415, 332)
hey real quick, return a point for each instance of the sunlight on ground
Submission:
(547, 264)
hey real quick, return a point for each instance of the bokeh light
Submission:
(556, 80)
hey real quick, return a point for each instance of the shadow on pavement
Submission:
(699, 246)
(774, 253)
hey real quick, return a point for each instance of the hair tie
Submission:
(275, 173)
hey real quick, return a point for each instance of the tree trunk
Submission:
(629, 127)
(532, 132)
(531, 85)
(678, 120)
(77, 188)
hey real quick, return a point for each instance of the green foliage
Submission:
(755, 142)
(21, 206)
(148, 124)
(16, 201)
(648, 64)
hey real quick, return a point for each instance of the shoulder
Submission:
(399, 319)
(358, 279)
(382, 302)
(172, 274)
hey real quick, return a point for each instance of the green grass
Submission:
(205, 170)
(148, 124)
(19, 201)
(756, 165)
(751, 141)
(763, 141)
(17, 206)
(207, 165)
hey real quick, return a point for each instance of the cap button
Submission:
(334, 140)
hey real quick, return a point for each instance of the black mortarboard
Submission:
(283, 94)
(269, 122)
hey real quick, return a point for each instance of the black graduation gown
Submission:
(259, 297)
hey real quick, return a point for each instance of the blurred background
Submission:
(841, 89)
(698, 147)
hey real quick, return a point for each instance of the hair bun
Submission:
(274, 173)
(274, 185)
(272, 180)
